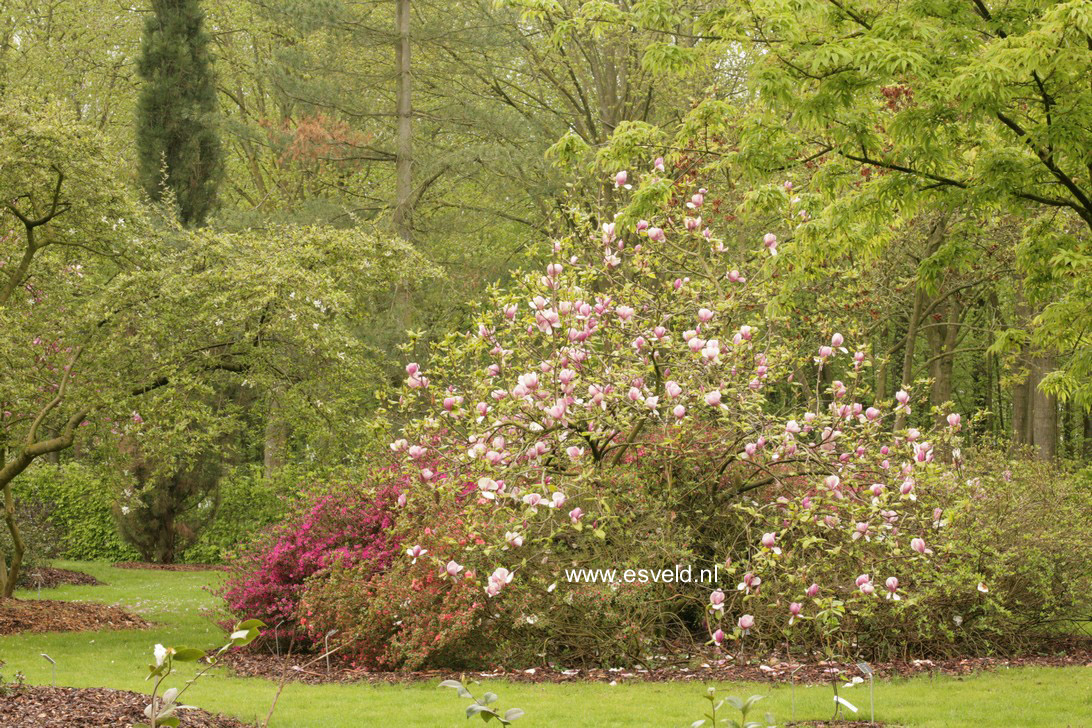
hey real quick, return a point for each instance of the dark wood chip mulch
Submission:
(169, 567)
(49, 707)
(47, 615)
(248, 663)
(47, 577)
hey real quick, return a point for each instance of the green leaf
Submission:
(489, 698)
(188, 654)
(450, 684)
(250, 624)
(513, 714)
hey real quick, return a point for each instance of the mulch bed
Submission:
(169, 567)
(49, 707)
(248, 663)
(20, 616)
(46, 577)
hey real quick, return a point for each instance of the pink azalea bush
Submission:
(348, 527)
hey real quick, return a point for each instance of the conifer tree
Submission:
(177, 137)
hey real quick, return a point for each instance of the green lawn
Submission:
(1019, 697)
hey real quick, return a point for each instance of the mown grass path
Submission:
(178, 604)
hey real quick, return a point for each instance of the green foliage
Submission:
(80, 498)
(163, 709)
(249, 503)
(742, 706)
(480, 706)
(164, 510)
(177, 115)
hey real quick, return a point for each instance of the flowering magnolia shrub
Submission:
(645, 346)
(347, 527)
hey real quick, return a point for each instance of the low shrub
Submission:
(78, 500)
(249, 504)
(992, 555)
(349, 526)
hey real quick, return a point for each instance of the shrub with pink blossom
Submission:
(348, 526)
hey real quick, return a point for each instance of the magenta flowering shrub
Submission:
(348, 527)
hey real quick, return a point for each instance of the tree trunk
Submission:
(943, 340)
(404, 145)
(9, 575)
(1044, 414)
(1087, 444)
(909, 347)
(276, 438)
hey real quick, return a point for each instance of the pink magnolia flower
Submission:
(825, 352)
(812, 590)
(625, 313)
(954, 420)
(918, 544)
(576, 514)
(892, 584)
(574, 452)
(750, 581)
(656, 235)
(770, 241)
(415, 552)
(620, 179)
(453, 568)
(769, 540)
(416, 452)
(794, 611)
(746, 622)
(658, 165)
(837, 340)
(867, 589)
(716, 600)
(705, 315)
(401, 500)
(863, 579)
(679, 411)
(872, 414)
(488, 487)
(718, 636)
(513, 539)
(713, 398)
(673, 389)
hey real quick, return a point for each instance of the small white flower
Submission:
(160, 654)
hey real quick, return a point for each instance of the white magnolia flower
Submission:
(160, 654)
